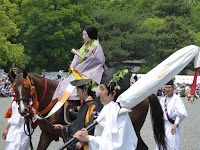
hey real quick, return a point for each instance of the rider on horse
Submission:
(91, 66)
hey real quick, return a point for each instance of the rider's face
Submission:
(86, 37)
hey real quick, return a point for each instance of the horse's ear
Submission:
(25, 73)
(13, 75)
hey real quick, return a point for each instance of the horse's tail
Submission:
(157, 122)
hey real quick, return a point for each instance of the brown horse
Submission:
(138, 114)
(48, 133)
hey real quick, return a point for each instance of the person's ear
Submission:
(86, 92)
(114, 93)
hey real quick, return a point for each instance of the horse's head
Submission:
(22, 88)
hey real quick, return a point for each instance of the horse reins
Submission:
(40, 101)
(45, 89)
(49, 123)
(29, 131)
(30, 107)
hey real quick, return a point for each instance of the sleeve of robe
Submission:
(180, 110)
(93, 65)
(9, 111)
(75, 62)
(117, 133)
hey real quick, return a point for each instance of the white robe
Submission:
(116, 134)
(177, 112)
(16, 138)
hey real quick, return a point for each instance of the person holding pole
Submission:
(117, 131)
(85, 113)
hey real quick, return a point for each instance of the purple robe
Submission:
(92, 66)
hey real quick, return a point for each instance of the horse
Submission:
(48, 134)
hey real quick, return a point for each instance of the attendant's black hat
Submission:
(170, 83)
(91, 31)
(108, 81)
(81, 82)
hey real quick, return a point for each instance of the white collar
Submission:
(87, 98)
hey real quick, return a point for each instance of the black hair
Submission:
(124, 85)
(90, 92)
(91, 31)
(170, 83)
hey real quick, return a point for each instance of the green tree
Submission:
(50, 29)
(164, 8)
(172, 30)
(120, 33)
(195, 13)
(10, 50)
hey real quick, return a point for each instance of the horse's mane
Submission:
(40, 78)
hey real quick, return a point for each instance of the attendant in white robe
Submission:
(116, 132)
(14, 134)
(174, 113)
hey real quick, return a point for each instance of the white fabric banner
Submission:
(158, 76)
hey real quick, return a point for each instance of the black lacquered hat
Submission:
(170, 83)
(80, 82)
(115, 79)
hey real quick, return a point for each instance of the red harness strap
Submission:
(45, 89)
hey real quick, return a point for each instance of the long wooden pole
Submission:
(74, 140)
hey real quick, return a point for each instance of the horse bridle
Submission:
(30, 98)
(23, 99)
(28, 118)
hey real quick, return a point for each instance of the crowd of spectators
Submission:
(6, 88)
(183, 90)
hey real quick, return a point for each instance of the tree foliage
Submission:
(50, 29)
(120, 33)
(47, 30)
(10, 51)
(172, 29)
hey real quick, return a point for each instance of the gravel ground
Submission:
(190, 128)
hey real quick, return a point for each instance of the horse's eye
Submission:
(26, 87)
